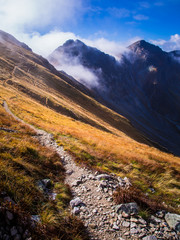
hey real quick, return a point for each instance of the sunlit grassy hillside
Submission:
(96, 136)
(112, 151)
(24, 162)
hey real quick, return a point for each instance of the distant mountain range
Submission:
(144, 86)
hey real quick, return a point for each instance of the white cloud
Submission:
(140, 17)
(22, 15)
(119, 12)
(168, 45)
(45, 44)
(144, 4)
(73, 67)
(111, 47)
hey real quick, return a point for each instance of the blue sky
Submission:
(110, 25)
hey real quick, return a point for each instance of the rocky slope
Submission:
(143, 86)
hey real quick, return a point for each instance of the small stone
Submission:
(110, 199)
(134, 231)
(76, 210)
(26, 234)
(141, 235)
(76, 202)
(125, 215)
(69, 172)
(161, 214)
(92, 177)
(133, 225)
(20, 229)
(93, 226)
(103, 176)
(128, 208)
(13, 231)
(36, 218)
(142, 221)
(150, 237)
(95, 211)
(8, 199)
(76, 183)
(125, 224)
(9, 215)
(155, 220)
(47, 182)
(52, 196)
(115, 227)
(17, 237)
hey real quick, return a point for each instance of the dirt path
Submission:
(93, 201)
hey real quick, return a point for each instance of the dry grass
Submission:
(147, 167)
(23, 162)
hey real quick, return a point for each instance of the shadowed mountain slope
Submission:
(144, 86)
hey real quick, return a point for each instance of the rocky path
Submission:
(93, 202)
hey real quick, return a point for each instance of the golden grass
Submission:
(23, 162)
(146, 166)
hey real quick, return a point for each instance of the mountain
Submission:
(34, 76)
(143, 86)
(70, 125)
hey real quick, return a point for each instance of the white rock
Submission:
(134, 231)
(76, 210)
(173, 220)
(115, 227)
(76, 202)
(150, 237)
(125, 224)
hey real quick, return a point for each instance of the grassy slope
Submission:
(94, 134)
(23, 161)
(146, 166)
(35, 79)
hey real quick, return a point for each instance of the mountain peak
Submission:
(141, 46)
(73, 43)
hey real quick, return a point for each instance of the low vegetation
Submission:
(24, 162)
(152, 171)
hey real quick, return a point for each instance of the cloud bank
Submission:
(168, 45)
(28, 15)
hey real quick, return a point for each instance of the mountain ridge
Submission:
(141, 86)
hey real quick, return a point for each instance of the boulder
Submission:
(173, 220)
(76, 202)
(127, 208)
(103, 177)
